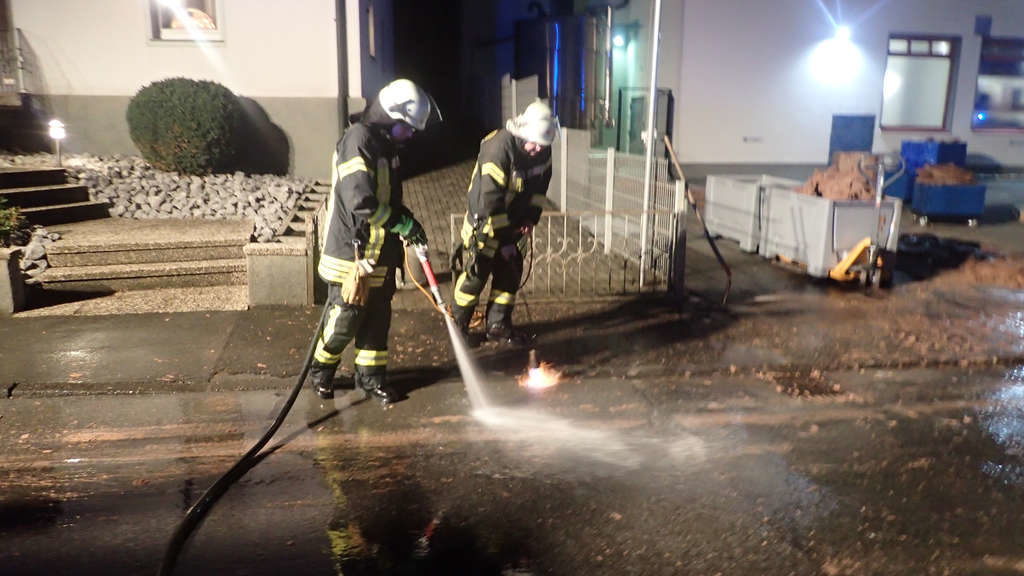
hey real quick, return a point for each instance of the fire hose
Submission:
(202, 507)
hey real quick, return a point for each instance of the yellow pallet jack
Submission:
(869, 263)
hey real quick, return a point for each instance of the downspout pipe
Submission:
(342, 37)
(652, 101)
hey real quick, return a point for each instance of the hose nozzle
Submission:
(423, 255)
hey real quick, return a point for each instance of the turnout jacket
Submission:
(365, 201)
(506, 191)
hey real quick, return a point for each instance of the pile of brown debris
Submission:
(843, 180)
(944, 175)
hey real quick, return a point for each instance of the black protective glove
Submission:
(471, 267)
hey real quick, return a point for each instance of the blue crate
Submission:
(918, 153)
(901, 187)
(955, 202)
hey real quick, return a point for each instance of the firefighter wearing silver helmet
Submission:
(506, 197)
(366, 222)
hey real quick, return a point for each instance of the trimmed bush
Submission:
(187, 126)
(11, 223)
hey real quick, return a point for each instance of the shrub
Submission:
(11, 222)
(187, 126)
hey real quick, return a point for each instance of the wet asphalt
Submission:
(915, 471)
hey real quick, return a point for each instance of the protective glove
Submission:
(356, 287)
(472, 264)
(403, 224)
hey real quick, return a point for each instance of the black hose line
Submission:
(202, 507)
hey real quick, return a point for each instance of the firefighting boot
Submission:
(376, 386)
(322, 376)
(462, 316)
(504, 333)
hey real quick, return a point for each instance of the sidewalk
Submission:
(786, 334)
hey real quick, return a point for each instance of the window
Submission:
(194, 20)
(916, 88)
(999, 97)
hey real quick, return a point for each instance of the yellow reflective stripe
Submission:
(383, 181)
(489, 136)
(371, 357)
(476, 168)
(491, 169)
(352, 166)
(503, 298)
(333, 269)
(537, 200)
(330, 201)
(337, 270)
(375, 244)
(498, 221)
(381, 215)
(321, 355)
(462, 298)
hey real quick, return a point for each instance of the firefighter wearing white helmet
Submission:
(506, 196)
(366, 222)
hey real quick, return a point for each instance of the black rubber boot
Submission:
(376, 386)
(503, 333)
(322, 376)
(462, 318)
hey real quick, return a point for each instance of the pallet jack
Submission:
(869, 263)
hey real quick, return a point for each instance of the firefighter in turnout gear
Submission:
(362, 247)
(506, 197)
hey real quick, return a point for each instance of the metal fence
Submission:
(603, 242)
(597, 253)
(611, 182)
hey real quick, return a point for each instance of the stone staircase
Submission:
(44, 197)
(121, 254)
(295, 225)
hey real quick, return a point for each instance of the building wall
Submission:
(95, 56)
(747, 89)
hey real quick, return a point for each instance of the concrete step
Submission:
(45, 195)
(24, 177)
(222, 272)
(8, 99)
(62, 254)
(64, 213)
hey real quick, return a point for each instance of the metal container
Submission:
(954, 202)
(732, 206)
(819, 232)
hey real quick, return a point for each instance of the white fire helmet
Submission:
(403, 100)
(536, 124)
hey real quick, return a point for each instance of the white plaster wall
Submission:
(744, 72)
(271, 48)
